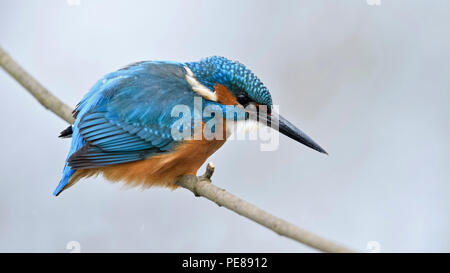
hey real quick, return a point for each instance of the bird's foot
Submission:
(190, 181)
(208, 172)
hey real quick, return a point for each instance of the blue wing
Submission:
(127, 117)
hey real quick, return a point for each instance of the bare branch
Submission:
(200, 186)
(47, 99)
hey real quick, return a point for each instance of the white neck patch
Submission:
(199, 88)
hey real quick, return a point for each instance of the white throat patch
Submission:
(198, 87)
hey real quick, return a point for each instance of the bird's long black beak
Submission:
(289, 130)
(281, 124)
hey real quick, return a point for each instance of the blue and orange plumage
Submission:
(123, 124)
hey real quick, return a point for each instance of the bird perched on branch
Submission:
(125, 127)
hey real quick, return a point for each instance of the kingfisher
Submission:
(125, 128)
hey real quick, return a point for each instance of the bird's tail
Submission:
(67, 174)
(77, 143)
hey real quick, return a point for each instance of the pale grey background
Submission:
(369, 83)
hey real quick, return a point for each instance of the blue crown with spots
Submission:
(234, 75)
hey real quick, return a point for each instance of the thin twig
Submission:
(47, 99)
(200, 186)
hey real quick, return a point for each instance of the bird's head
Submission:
(229, 82)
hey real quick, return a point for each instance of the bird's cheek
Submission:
(224, 96)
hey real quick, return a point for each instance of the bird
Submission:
(124, 125)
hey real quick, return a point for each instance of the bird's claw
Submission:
(191, 181)
(204, 177)
(208, 172)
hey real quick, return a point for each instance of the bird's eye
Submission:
(243, 99)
